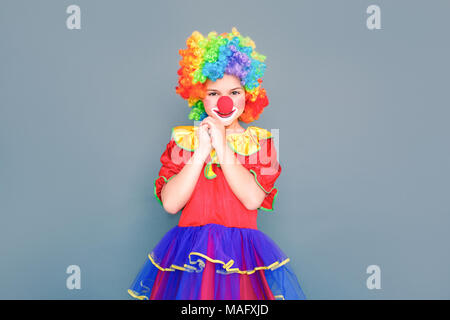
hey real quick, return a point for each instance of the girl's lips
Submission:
(225, 115)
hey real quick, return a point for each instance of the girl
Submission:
(218, 174)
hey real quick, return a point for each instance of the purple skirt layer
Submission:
(216, 262)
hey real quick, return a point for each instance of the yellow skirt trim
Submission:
(226, 266)
(135, 295)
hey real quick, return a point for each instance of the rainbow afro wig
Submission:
(212, 57)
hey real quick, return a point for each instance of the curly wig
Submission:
(212, 57)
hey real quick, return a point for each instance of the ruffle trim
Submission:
(157, 187)
(138, 296)
(271, 195)
(244, 143)
(227, 266)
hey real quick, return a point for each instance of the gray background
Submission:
(363, 118)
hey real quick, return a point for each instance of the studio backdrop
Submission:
(358, 92)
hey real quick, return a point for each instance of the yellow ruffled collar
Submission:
(244, 143)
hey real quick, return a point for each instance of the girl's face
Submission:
(225, 99)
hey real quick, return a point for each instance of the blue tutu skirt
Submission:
(214, 262)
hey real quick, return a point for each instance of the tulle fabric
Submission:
(215, 262)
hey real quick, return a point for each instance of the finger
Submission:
(208, 128)
(209, 122)
(204, 129)
(203, 123)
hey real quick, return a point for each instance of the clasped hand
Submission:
(211, 134)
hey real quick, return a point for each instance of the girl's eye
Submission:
(235, 92)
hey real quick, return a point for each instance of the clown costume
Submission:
(218, 174)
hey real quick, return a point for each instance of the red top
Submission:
(212, 200)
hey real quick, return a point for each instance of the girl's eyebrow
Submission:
(219, 90)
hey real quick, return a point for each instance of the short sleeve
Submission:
(266, 170)
(172, 163)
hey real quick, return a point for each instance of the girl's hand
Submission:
(204, 139)
(217, 133)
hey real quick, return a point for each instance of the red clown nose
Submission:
(225, 104)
